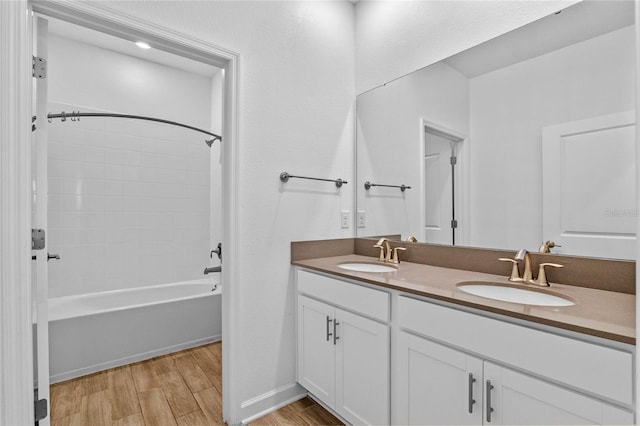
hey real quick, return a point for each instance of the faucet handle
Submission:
(396, 259)
(381, 247)
(542, 275)
(515, 273)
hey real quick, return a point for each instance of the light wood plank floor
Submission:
(183, 389)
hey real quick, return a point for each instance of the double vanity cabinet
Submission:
(379, 355)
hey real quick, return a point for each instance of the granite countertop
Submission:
(606, 314)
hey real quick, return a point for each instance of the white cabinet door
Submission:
(521, 399)
(437, 385)
(362, 369)
(316, 349)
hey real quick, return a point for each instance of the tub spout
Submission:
(212, 269)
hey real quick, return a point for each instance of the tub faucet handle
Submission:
(217, 251)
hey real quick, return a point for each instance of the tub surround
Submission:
(604, 303)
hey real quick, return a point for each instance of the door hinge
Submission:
(39, 67)
(454, 224)
(453, 160)
(37, 239)
(40, 408)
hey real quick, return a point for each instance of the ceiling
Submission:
(85, 35)
(576, 23)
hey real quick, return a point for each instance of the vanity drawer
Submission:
(602, 371)
(353, 297)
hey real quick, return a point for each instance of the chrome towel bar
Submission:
(368, 185)
(284, 177)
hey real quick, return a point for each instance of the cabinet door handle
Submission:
(328, 332)
(471, 400)
(488, 399)
(335, 332)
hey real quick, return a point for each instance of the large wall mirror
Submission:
(526, 138)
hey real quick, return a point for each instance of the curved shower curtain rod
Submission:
(74, 115)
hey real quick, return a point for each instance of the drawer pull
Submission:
(328, 328)
(471, 400)
(488, 399)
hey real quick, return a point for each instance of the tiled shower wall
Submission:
(128, 204)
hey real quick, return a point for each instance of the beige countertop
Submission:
(601, 313)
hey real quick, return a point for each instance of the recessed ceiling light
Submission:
(142, 45)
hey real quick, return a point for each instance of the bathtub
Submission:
(96, 331)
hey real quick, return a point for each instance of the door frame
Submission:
(16, 346)
(461, 178)
(16, 357)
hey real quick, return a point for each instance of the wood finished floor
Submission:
(183, 389)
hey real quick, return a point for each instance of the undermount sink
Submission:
(506, 293)
(367, 267)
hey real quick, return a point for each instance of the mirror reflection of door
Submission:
(588, 186)
(440, 160)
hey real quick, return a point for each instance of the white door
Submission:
(437, 385)
(589, 195)
(316, 349)
(40, 283)
(362, 369)
(519, 399)
(439, 187)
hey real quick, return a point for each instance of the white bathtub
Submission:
(96, 331)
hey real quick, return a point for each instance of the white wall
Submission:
(389, 121)
(509, 108)
(82, 74)
(128, 200)
(296, 94)
(394, 38)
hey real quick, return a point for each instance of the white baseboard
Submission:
(131, 359)
(270, 401)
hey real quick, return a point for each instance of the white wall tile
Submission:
(113, 171)
(55, 167)
(72, 135)
(126, 209)
(84, 152)
(54, 132)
